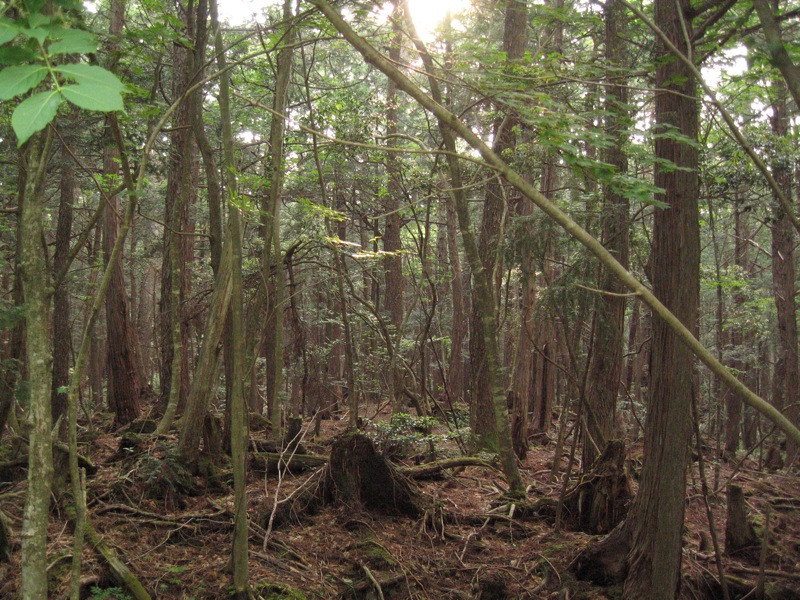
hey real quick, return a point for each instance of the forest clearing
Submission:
(355, 299)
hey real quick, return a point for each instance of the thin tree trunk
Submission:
(239, 432)
(392, 244)
(483, 295)
(272, 224)
(124, 384)
(608, 337)
(35, 278)
(786, 379)
(179, 196)
(62, 346)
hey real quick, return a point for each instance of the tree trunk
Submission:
(733, 403)
(62, 335)
(238, 430)
(271, 226)
(124, 385)
(492, 226)
(657, 515)
(180, 195)
(392, 245)
(608, 336)
(786, 378)
(35, 278)
(646, 548)
(740, 537)
(483, 296)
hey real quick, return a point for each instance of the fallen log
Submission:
(272, 462)
(122, 574)
(437, 468)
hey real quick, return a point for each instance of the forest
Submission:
(348, 299)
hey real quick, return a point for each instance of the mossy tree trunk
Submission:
(35, 282)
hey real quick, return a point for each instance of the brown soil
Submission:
(178, 544)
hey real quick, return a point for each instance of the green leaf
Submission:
(84, 74)
(39, 34)
(19, 79)
(93, 97)
(8, 30)
(68, 4)
(34, 114)
(15, 55)
(73, 41)
(38, 19)
(34, 6)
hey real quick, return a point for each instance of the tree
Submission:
(605, 364)
(124, 384)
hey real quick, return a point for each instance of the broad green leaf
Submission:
(38, 19)
(73, 41)
(93, 97)
(37, 33)
(34, 6)
(19, 79)
(84, 74)
(34, 114)
(8, 30)
(16, 55)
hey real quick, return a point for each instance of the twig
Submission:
(281, 472)
(763, 559)
(374, 581)
(709, 514)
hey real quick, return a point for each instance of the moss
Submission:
(6, 453)
(376, 555)
(278, 591)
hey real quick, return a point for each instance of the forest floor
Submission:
(178, 543)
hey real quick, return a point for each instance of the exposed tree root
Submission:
(437, 468)
(122, 574)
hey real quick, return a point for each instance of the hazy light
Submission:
(243, 12)
(429, 14)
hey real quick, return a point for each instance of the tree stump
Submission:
(358, 477)
(740, 537)
(600, 501)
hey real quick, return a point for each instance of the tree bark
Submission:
(62, 336)
(608, 336)
(180, 195)
(658, 511)
(35, 279)
(786, 377)
(238, 430)
(124, 384)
